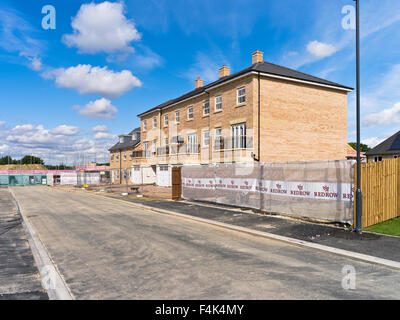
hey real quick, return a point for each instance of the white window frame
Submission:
(241, 95)
(144, 125)
(192, 144)
(177, 116)
(154, 146)
(154, 122)
(239, 136)
(166, 141)
(190, 113)
(206, 102)
(206, 139)
(125, 155)
(218, 104)
(146, 149)
(166, 120)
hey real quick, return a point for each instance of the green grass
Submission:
(390, 227)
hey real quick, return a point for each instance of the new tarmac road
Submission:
(105, 249)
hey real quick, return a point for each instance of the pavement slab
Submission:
(19, 276)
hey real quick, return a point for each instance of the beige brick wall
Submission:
(231, 113)
(122, 163)
(384, 157)
(301, 122)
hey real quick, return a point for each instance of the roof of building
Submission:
(128, 143)
(262, 67)
(389, 146)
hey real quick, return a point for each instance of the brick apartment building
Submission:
(262, 113)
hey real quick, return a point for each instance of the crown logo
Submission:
(278, 186)
(326, 188)
(300, 187)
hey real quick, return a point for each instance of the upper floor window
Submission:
(190, 113)
(121, 139)
(241, 95)
(125, 155)
(144, 125)
(177, 117)
(376, 159)
(206, 107)
(166, 141)
(218, 103)
(112, 157)
(154, 122)
(166, 120)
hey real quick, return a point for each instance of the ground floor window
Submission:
(239, 136)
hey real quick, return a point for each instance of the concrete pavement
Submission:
(19, 276)
(109, 250)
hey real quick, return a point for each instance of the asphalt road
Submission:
(111, 250)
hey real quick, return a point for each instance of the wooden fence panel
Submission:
(380, 188)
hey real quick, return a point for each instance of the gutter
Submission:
(270, 75)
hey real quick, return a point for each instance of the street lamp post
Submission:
(358, 191)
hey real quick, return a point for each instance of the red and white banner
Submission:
(311, 190)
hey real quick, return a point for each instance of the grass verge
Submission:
(390, 227)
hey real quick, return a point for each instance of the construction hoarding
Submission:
(318, 190)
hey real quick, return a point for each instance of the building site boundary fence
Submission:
(380, 188)
(322, 190)
(53, 177)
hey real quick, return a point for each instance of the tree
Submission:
(363, 147)
(6, 160)
(31, 160)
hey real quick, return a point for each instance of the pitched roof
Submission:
(262, 67)
(128, 143)
(389, 146)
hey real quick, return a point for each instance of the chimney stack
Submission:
(257, 56)
(224, 71)
(198, 83)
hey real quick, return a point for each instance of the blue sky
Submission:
(70, 91)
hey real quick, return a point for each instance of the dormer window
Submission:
(121, 139)
(134, 136)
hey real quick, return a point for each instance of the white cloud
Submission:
(320, 49)
(4, 148)
(104, 135)
(101, 27)
(89, 80)
(28, 139)
(372, 142)
(65, 130)
(384, 117)
(101, 108)
(100, 128)
(2, 123)
(206, 67)
(17, 38)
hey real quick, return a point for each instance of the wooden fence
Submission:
(380, 188)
